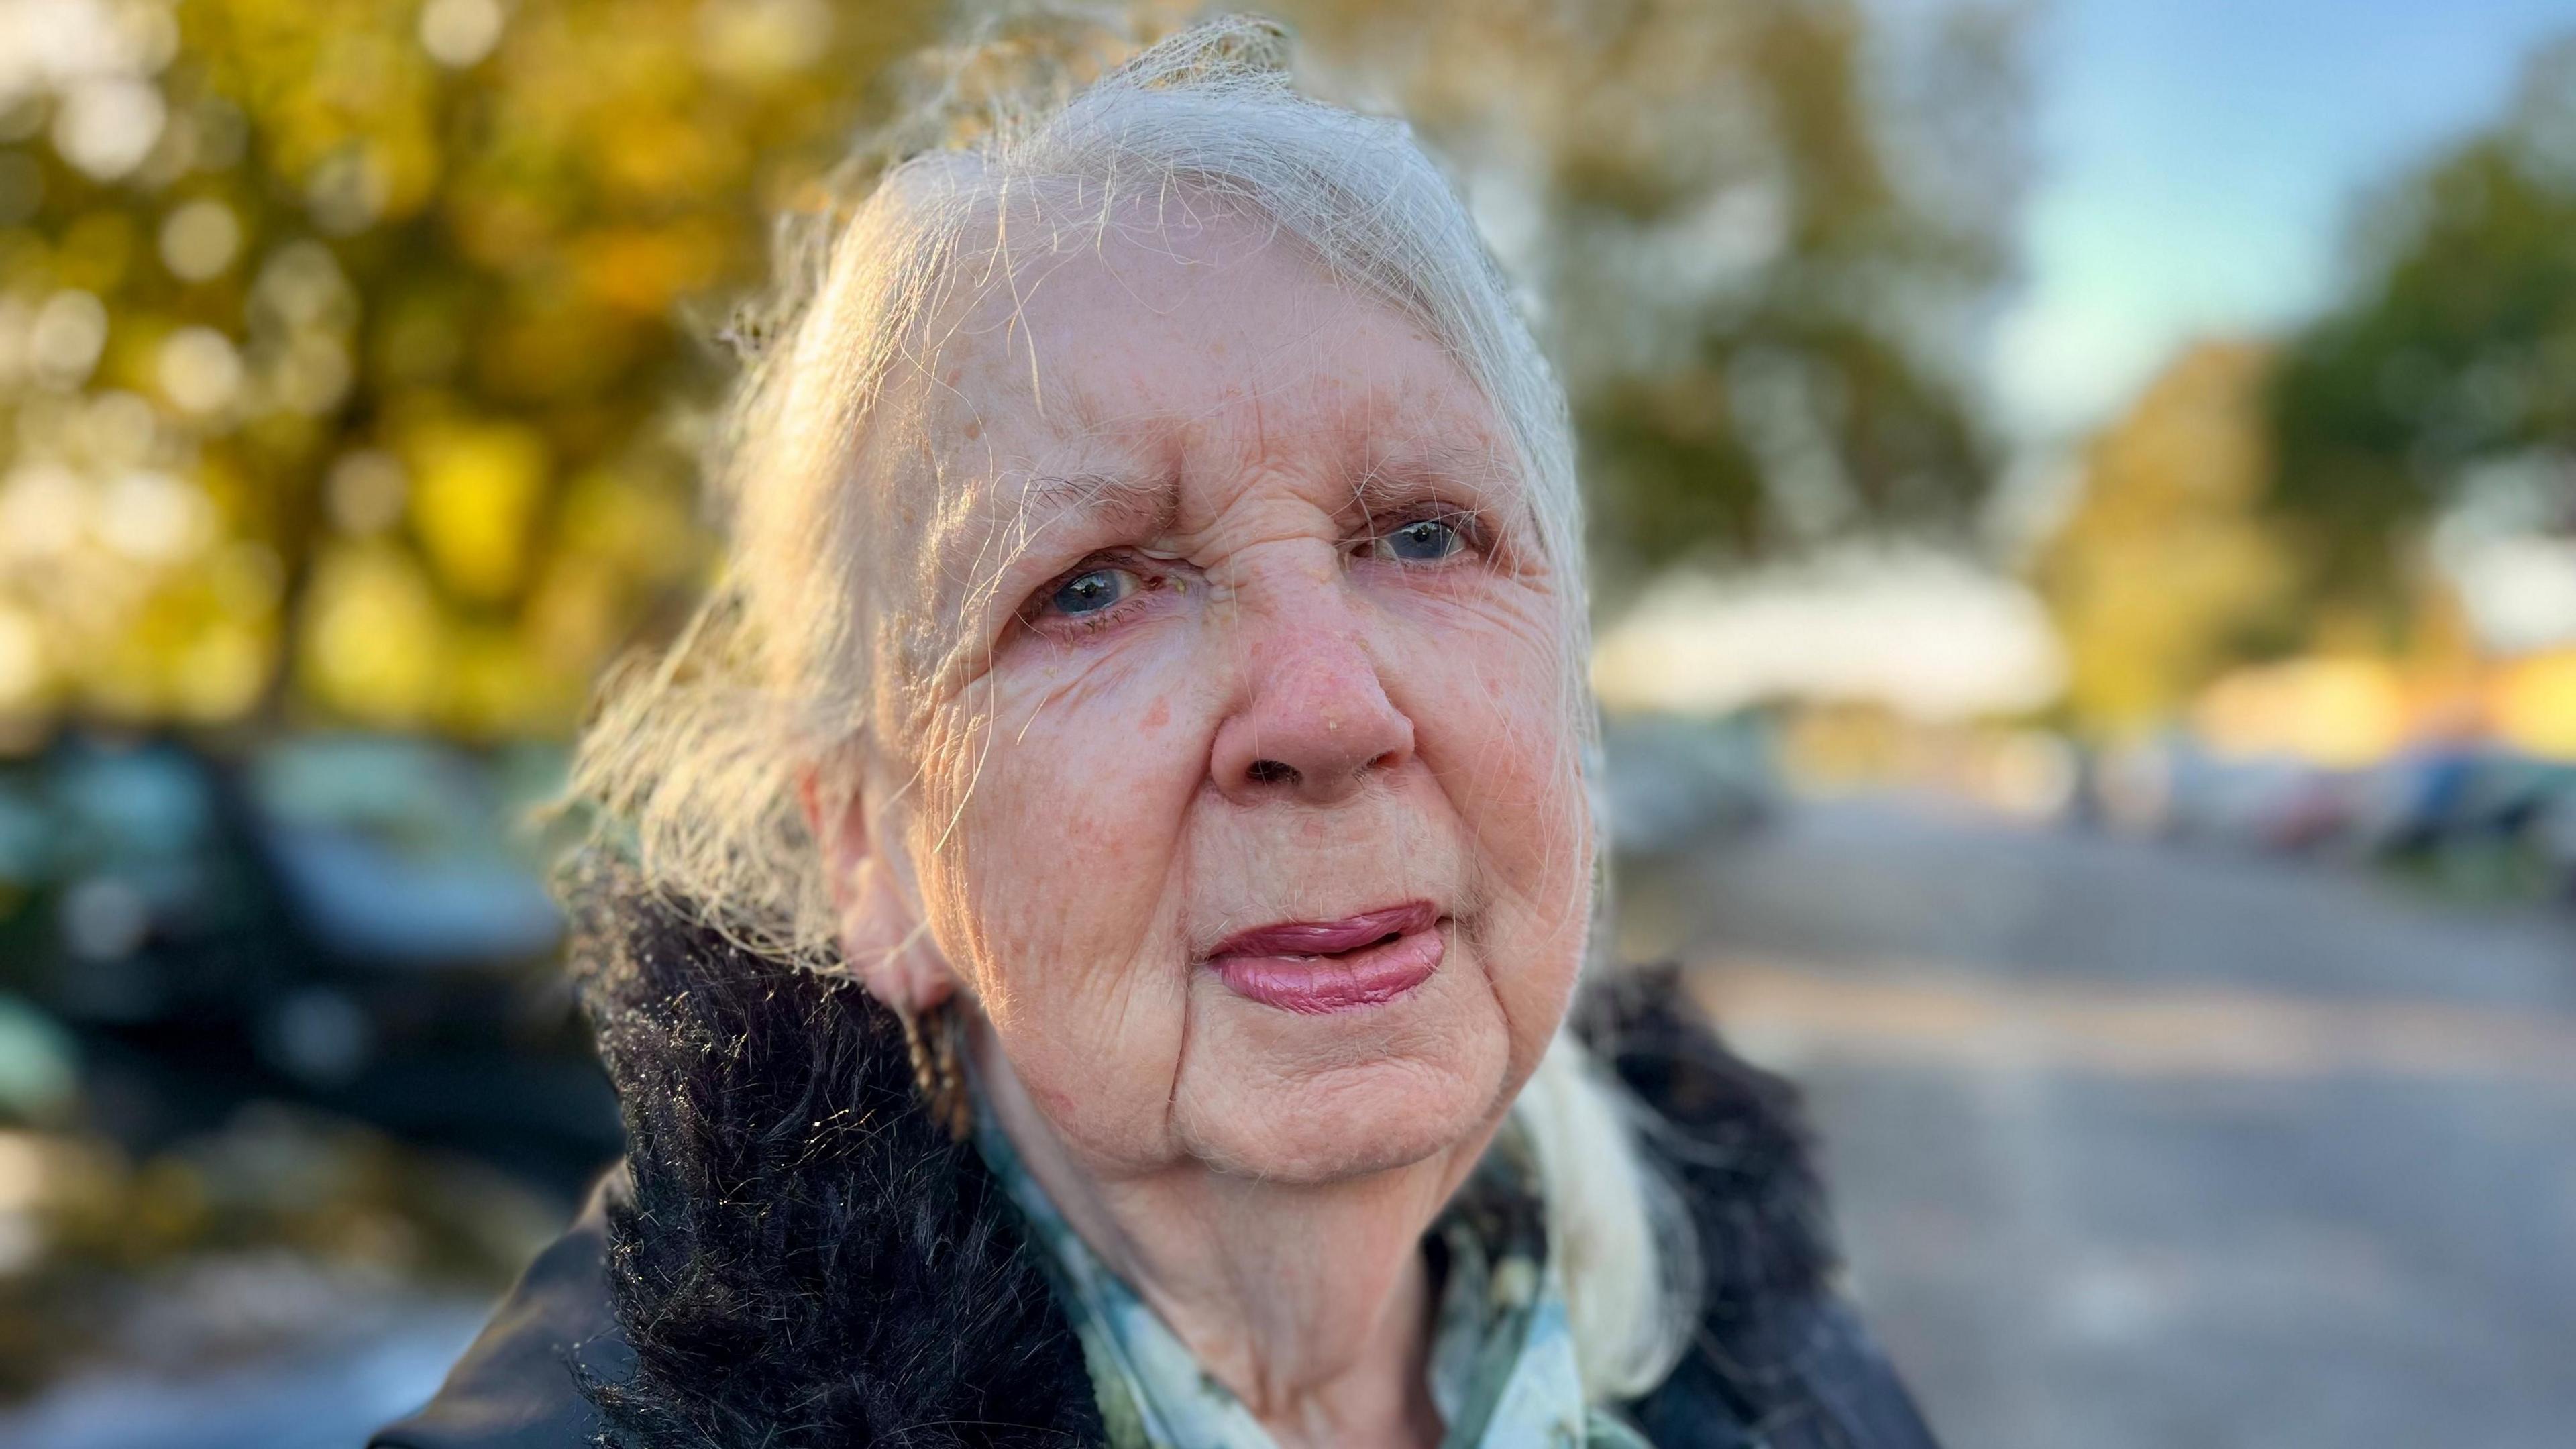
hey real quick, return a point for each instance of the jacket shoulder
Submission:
(516, 1387)
(1779, 1347)
(806, 1258)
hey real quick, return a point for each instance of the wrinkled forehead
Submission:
(1125, 358)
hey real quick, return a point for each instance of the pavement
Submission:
(2138, 1144)
(350, 1377)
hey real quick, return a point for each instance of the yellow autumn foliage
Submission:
(2164, 569)
(474, 497)
(2535, 704)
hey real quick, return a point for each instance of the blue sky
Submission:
(2198, 158)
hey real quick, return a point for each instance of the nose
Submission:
(1314, 725)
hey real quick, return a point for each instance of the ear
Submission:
(882, 938)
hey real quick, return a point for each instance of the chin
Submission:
(1312, 1100)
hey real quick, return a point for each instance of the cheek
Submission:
(1495, 726)
(1054, 860)
(1494, 722)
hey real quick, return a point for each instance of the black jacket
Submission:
(793, 1256)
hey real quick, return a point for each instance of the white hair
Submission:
(694, 759)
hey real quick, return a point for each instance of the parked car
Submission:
(337, 921)
(1672, 782)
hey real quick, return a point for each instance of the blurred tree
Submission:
(2166, 572)
(1764, 232)
(2451, 362)
(342, 343)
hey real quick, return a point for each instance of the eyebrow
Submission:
(1142, 503)
(1006, 523)
(1389, 478)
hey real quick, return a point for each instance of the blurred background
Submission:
(2085, 511)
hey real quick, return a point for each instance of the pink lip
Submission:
(1312, 967)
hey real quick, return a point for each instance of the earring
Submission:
(935, 1039)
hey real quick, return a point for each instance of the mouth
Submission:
(1314, 967)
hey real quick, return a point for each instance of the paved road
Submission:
(357, 1370)
(2139, 1147)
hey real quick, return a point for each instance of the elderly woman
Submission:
(1104, 879)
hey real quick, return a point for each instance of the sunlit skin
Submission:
(1269, 641)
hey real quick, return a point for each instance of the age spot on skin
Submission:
(1157, 717)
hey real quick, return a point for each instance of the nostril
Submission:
(1272, 772)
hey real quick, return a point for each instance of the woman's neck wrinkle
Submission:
(1311, 1303)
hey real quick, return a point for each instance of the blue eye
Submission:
(1425, 541)
(1091, 592)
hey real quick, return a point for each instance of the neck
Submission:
(1310, 1302)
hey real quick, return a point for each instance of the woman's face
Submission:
(1236, 774)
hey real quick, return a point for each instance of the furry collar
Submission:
(806, 1260)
